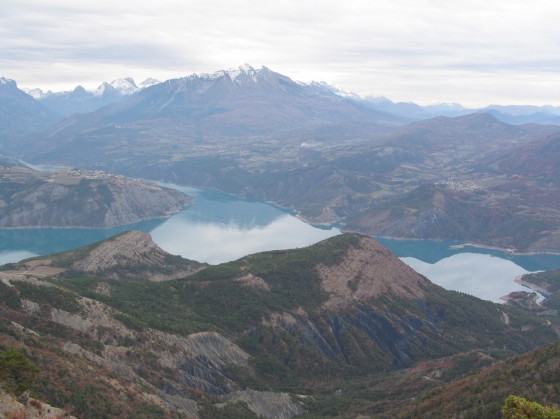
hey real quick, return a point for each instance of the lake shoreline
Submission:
(519, 279)
(461, 246)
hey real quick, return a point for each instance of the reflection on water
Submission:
(484, 276)
(7, 257)
(211, 206)
(218, 242)
(432, 251)
(218, 227)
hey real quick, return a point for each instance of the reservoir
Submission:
(219, 227)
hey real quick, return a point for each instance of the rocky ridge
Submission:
(134, 254)
(367, 271)
(73, 198)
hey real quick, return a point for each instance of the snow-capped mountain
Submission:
(327, 88)
(125, 86)
(235, 105)
(148, 82)
(81, 100)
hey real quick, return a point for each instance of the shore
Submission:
(514, 252)
(519, 279)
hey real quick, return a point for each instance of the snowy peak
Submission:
(118, 87)
(104, 89)
(148, 82)
(327, 88)
(239, 75)
(244, 70)
(36, 94)
(125, 86)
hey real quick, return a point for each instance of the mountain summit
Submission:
(235, 106)
(20, 114)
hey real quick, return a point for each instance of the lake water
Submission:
(219, 227)
(485, 273)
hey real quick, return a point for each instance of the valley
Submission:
(264, 315)
(334, 159)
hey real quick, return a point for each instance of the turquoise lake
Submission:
(219, 227)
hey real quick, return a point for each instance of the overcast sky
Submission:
(428, 51)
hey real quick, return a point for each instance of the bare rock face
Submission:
(134, 254)
(367, 271)
(81, 199)
(268, 404)
(29, 409)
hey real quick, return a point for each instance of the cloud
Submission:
(381, 47)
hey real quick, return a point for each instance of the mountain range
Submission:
(329, 154)
(81, 100)
(20, 114)
(342, 328)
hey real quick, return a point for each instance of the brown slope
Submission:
(132, 254)
(477, 129)
(532, 376)
(537, 159)
(72, 198)
(368, 270)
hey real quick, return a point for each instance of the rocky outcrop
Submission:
(28, 408)
(368, 270)
(81, 199)
(133, 255)
(268, 404)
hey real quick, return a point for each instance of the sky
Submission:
(426, 51)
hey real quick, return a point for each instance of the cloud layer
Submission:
(475, 52)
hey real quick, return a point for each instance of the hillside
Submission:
(532, 376)
(463, 211)
(271, 334)
(129, 255)
(20, 114)
(73, 198)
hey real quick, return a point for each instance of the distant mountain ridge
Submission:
(244, 104)
(20, 114)
(61, 102)
(81, 100)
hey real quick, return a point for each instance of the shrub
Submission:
(17, 373)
